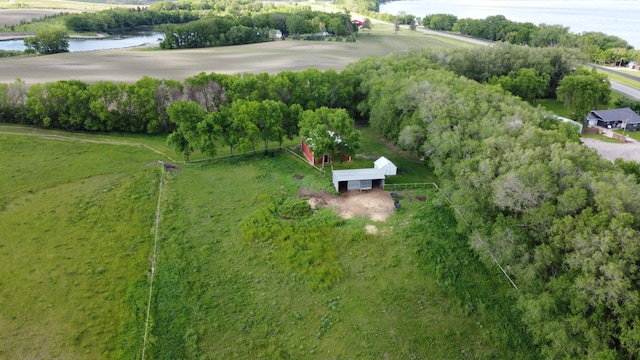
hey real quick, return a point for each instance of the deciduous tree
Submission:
(583, 91)
(48, 41)
(186, 115)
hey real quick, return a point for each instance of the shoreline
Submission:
(22, 35)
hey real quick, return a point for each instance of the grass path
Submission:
(84, 138)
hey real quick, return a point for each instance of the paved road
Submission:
(626, 90)
(621, 73)
(621, 88)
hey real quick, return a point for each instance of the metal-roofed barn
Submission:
(358, 179)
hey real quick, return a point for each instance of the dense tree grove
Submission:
(562, 222)
(559, 219)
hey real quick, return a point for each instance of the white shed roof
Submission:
(382, 162)
(357, 174)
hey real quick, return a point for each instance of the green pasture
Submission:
(75, 220)
(555, 107)
(237, 281)
(242, 270)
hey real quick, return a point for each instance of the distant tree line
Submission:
(125, 19)
(600, 47)
(140, 107)
(226, 102)
(202, 26)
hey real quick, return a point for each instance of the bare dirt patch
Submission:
(171, 167)
(371, 229)
(375, 204)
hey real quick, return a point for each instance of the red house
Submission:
(319, 159)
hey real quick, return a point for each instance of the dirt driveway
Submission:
(612, 151)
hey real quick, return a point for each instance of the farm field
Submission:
(231, 279)
(129, 65)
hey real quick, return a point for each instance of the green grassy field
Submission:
(78, 225)
(76, 220)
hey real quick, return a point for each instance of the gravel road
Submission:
(611, 151)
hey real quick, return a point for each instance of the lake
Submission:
(115, 42)
(617, 17)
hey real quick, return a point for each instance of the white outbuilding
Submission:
(357, 179)
(387, 167)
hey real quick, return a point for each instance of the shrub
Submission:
(294, 209)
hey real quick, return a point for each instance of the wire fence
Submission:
(153, 261)
(405, 186)
(321, 170)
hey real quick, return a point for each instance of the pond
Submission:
(113, 42)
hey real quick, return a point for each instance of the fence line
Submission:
(412, 185)
(91, 141)
(415, 185)
(153, 261)
(323, 171)
(252, 152)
